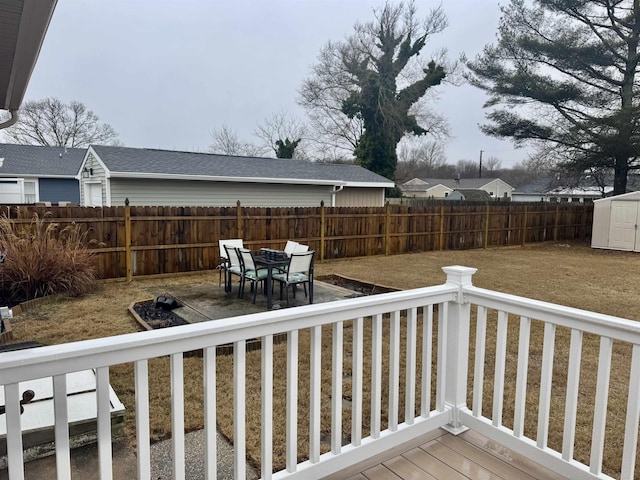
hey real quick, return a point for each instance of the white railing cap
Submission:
(459, 275)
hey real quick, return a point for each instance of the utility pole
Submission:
(480, 169)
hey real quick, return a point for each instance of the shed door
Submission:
(624, 221)
(93, 194)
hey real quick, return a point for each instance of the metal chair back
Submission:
(232, 242)
(301, 262)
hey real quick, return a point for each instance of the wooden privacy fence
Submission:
(137, 241)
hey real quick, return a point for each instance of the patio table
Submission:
(270, 263)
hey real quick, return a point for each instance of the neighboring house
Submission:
(469, 195)
(554, 189)
(110, 175)
(31, 173)
(550, 189)
(439, 188)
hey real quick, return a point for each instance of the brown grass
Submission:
(574, 275)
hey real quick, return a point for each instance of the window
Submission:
(30, 191)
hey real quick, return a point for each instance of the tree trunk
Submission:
(620, 177)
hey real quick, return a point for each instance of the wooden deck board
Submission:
(407, 470)
(433, 465)
(494, 464)
(380, 472)
(442, 456)
(458, 462)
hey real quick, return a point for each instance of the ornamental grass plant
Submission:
(42, 259)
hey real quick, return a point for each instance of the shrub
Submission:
(43, 260)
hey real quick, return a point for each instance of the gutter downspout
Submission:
(335, 189)
(11, 121)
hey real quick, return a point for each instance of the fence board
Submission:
(167, 240)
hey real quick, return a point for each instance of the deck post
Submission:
(456, 338)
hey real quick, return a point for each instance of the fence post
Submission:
(239, 218)
(441, 227)
(387, 228)
(127, 240)
(455, 331)
(486, 228)
(322, 227)
(524, 226)
(555, 226)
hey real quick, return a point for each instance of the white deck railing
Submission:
(410, 376)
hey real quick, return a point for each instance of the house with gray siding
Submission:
(110, 175)
(33, 173)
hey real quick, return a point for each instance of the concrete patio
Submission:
(208, 301)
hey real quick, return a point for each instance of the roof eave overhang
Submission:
(36, 175)
(370, 184)
(214, 178)
(34, 21)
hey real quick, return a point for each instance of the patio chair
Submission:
(234, 267)
(301, 248)
(299, 271)
(224, 259)
(251, 272)
(294, 247)
(290, 247)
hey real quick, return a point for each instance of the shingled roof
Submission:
(146, 162)
(39, 161)
(466, 183)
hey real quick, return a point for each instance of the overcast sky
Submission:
(165, 73)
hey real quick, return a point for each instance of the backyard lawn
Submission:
(569, 274)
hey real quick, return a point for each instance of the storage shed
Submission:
(615, 222)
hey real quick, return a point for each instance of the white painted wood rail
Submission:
(403, 423)
(425, 382)
(549, 318)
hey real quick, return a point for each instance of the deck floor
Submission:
(442, 456)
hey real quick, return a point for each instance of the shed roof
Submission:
(631, 196)
(146, 162)
(39, 161)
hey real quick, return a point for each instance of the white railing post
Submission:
(457, 346)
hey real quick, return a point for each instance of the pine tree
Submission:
(564, 72)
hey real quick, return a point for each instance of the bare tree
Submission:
(420, 158)
(225, 141)
(280, 127)
(490, 165)
(53, 123)
(467, 168)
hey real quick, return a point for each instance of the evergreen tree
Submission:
(564, 73)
